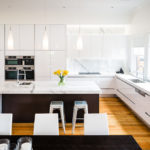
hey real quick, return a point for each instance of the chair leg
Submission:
(51, 110)
(62, 119)
(74, 119)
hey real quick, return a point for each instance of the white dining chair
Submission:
(96, 124)
(6, 124)
(46, 124)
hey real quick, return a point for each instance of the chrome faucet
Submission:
(19, 74)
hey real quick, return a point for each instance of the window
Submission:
(148, 59)
(137, 61)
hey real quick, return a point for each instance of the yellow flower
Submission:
(58, 72)
(65, 72)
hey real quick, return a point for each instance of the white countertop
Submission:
(91, 75)
(51, 87)
(145, 87)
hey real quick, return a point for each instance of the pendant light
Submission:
(79, 41)
(45, 42)
(10, 41)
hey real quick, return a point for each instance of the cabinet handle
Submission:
(147, 114)
(125, 96)
(140, 92)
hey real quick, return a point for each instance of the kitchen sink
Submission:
(136, 81)
(25, 83)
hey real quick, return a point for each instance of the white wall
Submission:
(52, 12)
(140, 23)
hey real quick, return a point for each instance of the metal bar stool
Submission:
(59, 105)
(77, 106)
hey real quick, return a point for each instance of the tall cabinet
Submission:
(54, 57)
(23, 39)
(1, 54)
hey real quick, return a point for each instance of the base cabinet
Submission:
(137, 100)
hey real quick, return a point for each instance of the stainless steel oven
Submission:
(19, 68)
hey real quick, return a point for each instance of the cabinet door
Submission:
(1, 66)
(57, 37)
(1, 37)
(42, 65)
(58, 61)
(14, 30)
(39, 34)
(27, 37)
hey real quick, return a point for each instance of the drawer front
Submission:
(128, 101)
(144, 114)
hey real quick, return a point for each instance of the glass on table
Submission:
(24, 143)
(4, 144)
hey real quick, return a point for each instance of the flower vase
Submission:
(61, 82)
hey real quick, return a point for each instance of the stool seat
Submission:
(77, 106)
(60, 106)
(80, 103)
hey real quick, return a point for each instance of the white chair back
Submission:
(46, 124)
(5, 124)
(96, 124)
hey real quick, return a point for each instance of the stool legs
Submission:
(74, 119)
(61, 114)
(62, 119)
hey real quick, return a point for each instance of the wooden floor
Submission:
(122, 121)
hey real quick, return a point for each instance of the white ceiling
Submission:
(92, 9)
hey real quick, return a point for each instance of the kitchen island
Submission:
(26, 100)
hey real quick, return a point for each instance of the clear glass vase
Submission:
(61, 82)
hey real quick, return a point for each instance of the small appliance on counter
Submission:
(19, 68)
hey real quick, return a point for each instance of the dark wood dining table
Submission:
(111, 142)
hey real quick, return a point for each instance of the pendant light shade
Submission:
(10, 40)
(45, 42)
(79, 43)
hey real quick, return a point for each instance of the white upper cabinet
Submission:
(1, 67)
(58, 61)
(22, 37)
(27, 37)
(14, 31)
(58, 37)
(55, 35)
(46, 62)
(1, 37)
(42, 65)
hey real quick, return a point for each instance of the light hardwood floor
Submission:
(122, 121)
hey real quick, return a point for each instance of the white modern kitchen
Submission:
(74, 74)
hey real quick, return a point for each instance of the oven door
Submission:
(13, 62)
(30, 75)
(11, 75)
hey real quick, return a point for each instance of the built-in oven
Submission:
(11, 73)
(28, 60)
(19, 67)
(13, 60)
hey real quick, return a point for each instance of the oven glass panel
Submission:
(11, 75)
(11, 62)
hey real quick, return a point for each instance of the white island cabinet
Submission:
(23, 39)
